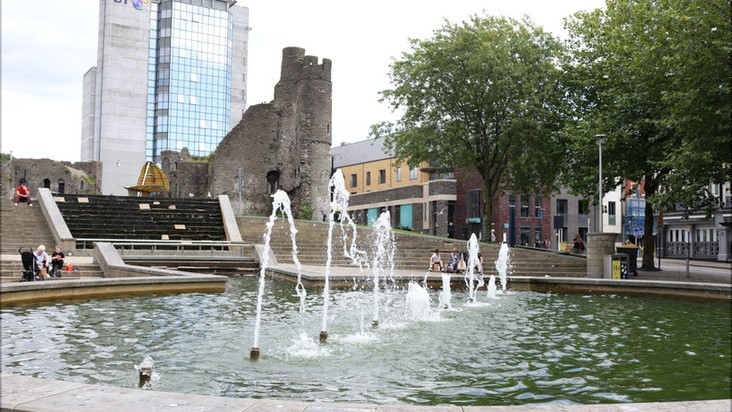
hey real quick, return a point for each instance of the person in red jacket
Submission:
(22, 194)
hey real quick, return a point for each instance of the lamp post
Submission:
(600, 138)
(332, 162)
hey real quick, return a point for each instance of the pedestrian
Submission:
(578, 245)
(22, 194)
(41, 261)
(435, 261)
(57, 262)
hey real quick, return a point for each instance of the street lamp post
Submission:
(600, 138)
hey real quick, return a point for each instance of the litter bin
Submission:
(619, 266)
(632, 252)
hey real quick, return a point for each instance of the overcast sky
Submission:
(48, 45)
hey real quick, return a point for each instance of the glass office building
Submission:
(193, 92)
(189, 78)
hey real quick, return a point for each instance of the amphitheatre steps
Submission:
(140, 218)
(413, 250)
(220, 265)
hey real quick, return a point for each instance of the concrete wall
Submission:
(121, 94)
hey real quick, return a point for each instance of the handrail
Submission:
(178, 245)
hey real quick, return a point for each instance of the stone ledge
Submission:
(28, 394)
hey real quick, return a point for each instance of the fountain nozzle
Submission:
(375, 323)
(145, 370)
(323, 336)
(254, 354)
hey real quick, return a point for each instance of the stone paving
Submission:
(22, 393)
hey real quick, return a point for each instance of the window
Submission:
(611, 213)
(525, 236)
(413, 173)
(382, 176)
(524, 205)
(538, 207)
(511, 200)
(474, 203)
(562, 206)
(368, 178)
(354, 180)
(583, 206)
(399, 174)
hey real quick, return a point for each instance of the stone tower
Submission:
(284, 144)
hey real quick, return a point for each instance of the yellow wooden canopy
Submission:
(151, 180)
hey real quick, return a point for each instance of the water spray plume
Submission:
(280, 202)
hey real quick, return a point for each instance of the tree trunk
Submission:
(649, 243)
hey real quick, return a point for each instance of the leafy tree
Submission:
(481, 95)
(654, 76)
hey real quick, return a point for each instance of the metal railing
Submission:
(178, 246)
(699, 250)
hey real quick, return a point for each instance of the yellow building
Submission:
(416, 199)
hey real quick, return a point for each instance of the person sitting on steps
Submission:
(435, 261)
(57, 262)
(41, 261)
(452, 264)
(22, 194)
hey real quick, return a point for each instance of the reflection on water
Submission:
(520, 348)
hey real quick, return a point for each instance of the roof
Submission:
(359, 152)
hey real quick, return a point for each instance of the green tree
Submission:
(654, 76)
(481, 95)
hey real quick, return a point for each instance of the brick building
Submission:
(416, 199)
(518, 219)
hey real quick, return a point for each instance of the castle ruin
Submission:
(283, 144)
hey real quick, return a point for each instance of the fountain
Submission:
(280, 202)
(532, 348)
(445, 295)
(383, 257)
(503, 265)
(491, 294)
(471, 277)
(145, 371)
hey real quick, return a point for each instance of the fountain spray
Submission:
(384, 250)
(502, 265)
(338, 204)
(470, 276)
(280, 202)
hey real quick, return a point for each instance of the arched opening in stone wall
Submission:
(47, 183)
(273, 181)
(61, 186)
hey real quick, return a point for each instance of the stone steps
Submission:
(215, 266)
(23, 226)
(412, 251)
(11, 271)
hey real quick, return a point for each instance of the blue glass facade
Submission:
(189, 78)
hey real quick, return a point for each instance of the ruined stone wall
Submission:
(59, 177)
(284, 144)
(188, 175)
(250, 146)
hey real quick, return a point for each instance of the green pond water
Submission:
(522, 347)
